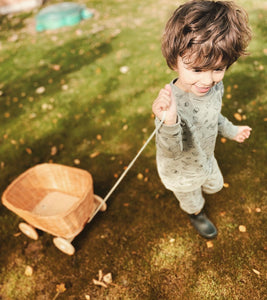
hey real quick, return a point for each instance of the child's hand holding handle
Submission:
(165, 102)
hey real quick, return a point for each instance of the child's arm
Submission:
(165, 102)
(243, 133)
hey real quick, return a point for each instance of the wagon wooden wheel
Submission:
(28, 230)
(100, 200)
(64, 245)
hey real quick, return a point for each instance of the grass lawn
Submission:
(81, 96)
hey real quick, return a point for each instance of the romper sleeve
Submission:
(169, 139)
(225, 127)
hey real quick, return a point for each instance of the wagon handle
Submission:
(129, 166)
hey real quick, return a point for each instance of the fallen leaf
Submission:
(87, 297)
(60, 288)
(226, 185)
(140, 176)
(223, 140)
(77, 161)
(29, 151)
(242, 228)
(100, 275)
(107, 278)
(99, 137)
(94, 154)
(40, 90)
(56, 67)
(28, 271)
(125, 127)
(257, 209)
(7, 115)
(53, 150)
(209, 244)
(238, 117)
(97, 282)
(256, 271)
(124, 69)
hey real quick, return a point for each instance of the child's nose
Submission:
(207, 78)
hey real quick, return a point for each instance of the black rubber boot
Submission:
(203, 225)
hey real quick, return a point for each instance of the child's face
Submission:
(197, 82)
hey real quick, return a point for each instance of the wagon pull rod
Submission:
(129, 166)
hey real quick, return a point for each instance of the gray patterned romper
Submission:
(185, 151)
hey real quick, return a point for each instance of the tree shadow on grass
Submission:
(68, 59)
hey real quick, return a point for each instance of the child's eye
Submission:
(196, 70)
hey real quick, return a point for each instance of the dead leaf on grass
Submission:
(242, 228)
(77, 161)
(107, 278)
(100, 283)
(103, 280)
(256, 271)
(53, 150)
(56, 67)
(94, 154)
(238, 117)
(28, 271)
(125, 127)
(40, 90)
(140, 176)
(29, 151)
(226, 185)
(60, 288)
(209, 244)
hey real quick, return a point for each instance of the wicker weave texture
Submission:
(54, 198)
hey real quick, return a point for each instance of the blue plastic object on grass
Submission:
(62, 14)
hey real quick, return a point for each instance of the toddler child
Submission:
(201, 41)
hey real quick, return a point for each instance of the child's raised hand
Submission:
(242, 134)
(165, 102)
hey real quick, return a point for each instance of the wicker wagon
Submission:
(54, 198)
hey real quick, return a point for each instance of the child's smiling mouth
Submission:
(202, 89)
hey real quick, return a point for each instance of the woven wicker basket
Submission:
(54, 198)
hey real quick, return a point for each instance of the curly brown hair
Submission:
(206, 34)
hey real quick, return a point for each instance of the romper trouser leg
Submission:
(192, 202)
